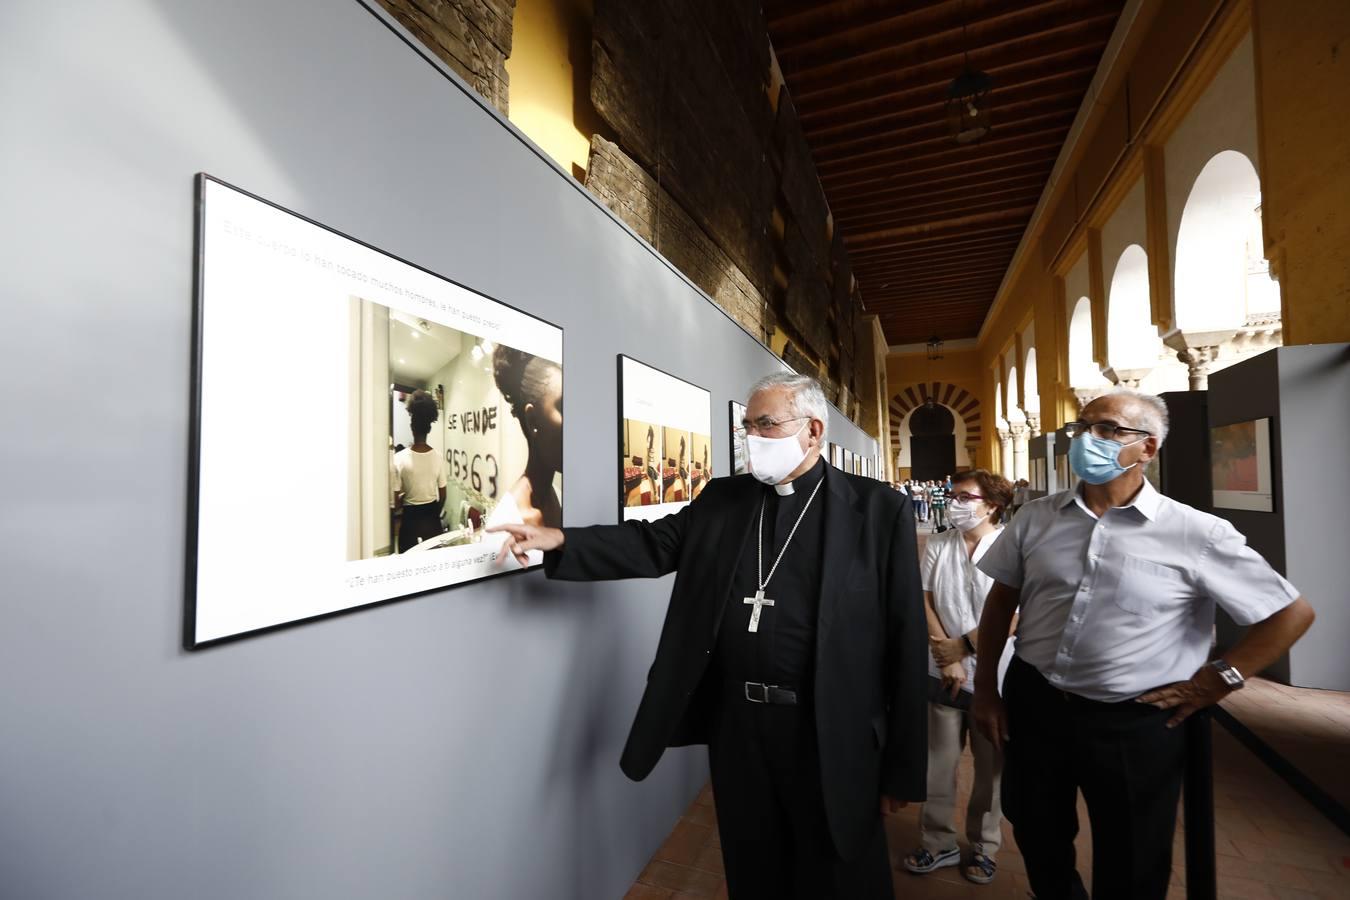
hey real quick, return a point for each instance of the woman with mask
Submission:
(954, 592)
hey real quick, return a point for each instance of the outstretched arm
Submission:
(599, 552)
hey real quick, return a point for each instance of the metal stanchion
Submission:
(1201, 878)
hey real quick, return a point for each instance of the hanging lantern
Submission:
(935, 347)
(968, 107)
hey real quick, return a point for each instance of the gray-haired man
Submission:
(794, 646)
(1117, 586)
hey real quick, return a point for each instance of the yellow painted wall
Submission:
(550, 68)
(1303, 78)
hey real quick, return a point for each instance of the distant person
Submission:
(921, 501)
(954, 592)
(1117, 587)
(421, 477)
(937, 498)
(1021, 492)
(532, 387)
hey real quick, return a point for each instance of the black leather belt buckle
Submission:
(769, 693)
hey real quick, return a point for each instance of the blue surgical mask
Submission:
(1097, 461)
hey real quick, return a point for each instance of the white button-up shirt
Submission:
(1113, 607)
(958, 588)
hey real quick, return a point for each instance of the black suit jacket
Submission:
(871, 637)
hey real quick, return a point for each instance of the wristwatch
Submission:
(969, 646)
(1231, 676)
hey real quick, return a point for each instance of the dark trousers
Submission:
(421, 522)
(1128, 765)
(776, 843)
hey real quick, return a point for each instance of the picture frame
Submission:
(665, 444)
(323, 311)
(1240, 466)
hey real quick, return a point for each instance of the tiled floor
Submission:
(1271, 844)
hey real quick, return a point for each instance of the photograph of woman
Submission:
(532, 388)
(675, 475)
(640, 463)
(702, 471)
(420, 489)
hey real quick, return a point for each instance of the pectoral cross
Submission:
(759, 601)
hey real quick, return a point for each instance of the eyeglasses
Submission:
(1107, 431)
(764, 423)
(965, 497)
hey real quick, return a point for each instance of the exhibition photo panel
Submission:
(429, 412)
(665, 444)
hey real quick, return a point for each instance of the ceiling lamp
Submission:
(968, 107)
(968, 99)
(935, 347)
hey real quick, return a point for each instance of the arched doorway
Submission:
(932, 429)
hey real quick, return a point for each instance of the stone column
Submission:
(973, 454)
(1019, 452)
(1006, 460)
(1084, 396)
(1128, 378)
(1198, 361)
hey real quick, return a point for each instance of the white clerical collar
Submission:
(784, 489)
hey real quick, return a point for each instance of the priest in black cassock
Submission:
(795, 647)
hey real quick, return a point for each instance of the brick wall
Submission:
(473, 37)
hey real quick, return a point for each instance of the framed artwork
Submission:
(848, 460)
(740, 459)
(665, 448)
(428, 411)
(1239, 459)
(836, 456)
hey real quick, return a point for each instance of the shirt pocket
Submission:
(1147, 588)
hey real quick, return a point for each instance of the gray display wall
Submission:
(458, 745)
(1304, 392)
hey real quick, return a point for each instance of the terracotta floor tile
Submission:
(680, 878)
(684, 843)
(641, 891)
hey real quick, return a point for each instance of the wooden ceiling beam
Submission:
(897, 273)
(843, 111)
(878, 48)
(1007, 105)
(932, 122)
(943, 208)
(900, 249)
(938, 226)
(1032, 171)
(1036, 160)
(996, 151)
(1074, 67)
(893, 205)
(990, 45)
(1055, 121)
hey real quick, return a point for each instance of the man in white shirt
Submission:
(1117, 586)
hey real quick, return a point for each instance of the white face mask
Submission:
(773, 459)
(963, 517)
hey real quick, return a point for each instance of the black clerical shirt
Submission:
(782, 651)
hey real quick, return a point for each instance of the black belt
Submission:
(772, 694)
